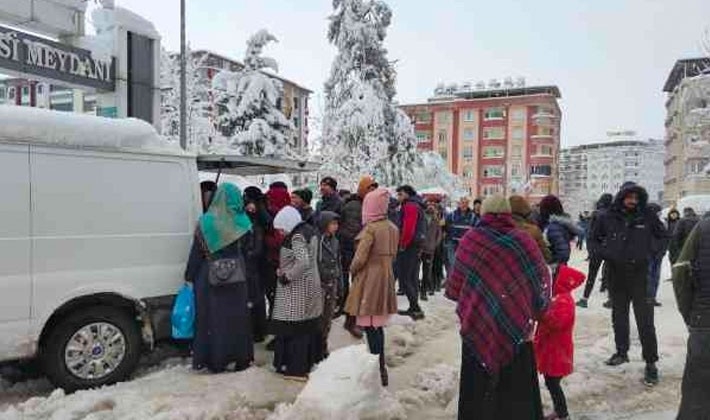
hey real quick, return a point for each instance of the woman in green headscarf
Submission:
(223, 338)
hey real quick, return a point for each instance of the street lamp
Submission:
(183, 79)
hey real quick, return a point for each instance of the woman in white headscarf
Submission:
(298, 304)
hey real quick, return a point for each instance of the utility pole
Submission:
(183, 79)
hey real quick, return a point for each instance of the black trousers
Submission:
(695, 403)
(554, 385)
(595, 264)
(375, 339)
(408, 271)
(438, 267)
(427, 273)
(347, 253)
(628, 286)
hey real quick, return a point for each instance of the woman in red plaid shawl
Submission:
(501, 284)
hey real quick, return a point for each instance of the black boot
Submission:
(353, 329)
(384, 376)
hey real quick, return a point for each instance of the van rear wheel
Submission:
(92, 347)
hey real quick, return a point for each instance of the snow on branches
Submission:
(247, 103)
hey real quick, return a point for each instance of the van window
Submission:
(82, 194)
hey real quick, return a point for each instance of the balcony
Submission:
(542, 136)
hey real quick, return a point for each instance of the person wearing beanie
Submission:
(500, 293)
(559, 229)
(351, 226)
(301, 200)
(521, 211)
(595, 262)
(298, 305)
(630, 236)
(329, 198)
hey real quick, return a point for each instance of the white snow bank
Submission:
(35, 125)
(437, 385)
(346, 387)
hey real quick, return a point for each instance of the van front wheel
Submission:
(92, 347)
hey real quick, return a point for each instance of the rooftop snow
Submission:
(34, 125)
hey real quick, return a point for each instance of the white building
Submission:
(588, 171)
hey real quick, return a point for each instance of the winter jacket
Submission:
(691, 278)
(299, 294)
(664, 240)
(409, 216)
(603, 205)
(351, 218)
(628, 237)
(329, 265)
(680, 234)
(372, 292)
(330, 203)
(458, 223)
(534, 231)
(434, 234)
(554, 345)
(560, 232)
(308, 215)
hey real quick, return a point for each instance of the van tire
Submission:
(53, 349)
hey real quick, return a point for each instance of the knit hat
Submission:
(366, 182)
(305, 194)
(519, 205)
(495, 204)
(287, 219)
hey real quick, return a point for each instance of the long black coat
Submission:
(222, 321)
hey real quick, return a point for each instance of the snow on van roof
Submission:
(35, 125)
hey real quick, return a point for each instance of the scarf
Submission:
(225, 221)
(375, 206)
(502, 284)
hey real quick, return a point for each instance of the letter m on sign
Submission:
(35, 53)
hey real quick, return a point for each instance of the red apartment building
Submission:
(499, 140)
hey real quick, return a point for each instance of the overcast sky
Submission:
(609, 58)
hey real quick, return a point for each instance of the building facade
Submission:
(499, 139)
(293, 104)
(26, 92)
(687, 129)
(588, 171)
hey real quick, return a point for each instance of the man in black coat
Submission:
(329, 198)
(691, 282)
(595, 262)
(629, 235)
(681, 233)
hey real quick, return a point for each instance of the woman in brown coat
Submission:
(372, 297)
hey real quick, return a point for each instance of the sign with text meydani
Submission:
(25, 53)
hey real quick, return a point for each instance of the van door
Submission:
(15, 279)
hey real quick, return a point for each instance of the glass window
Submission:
(517, 151)
(493, 171)
(468, 152)
(492, 189)
(467, 172)
(545, 131)
(25, 90)
(443, 117)
(423, 117)
(423, 137)
(518, 114)
(68, 106)
(543, 170)
(493, 133)
(11, 93)
(296, 123)
(469, 115)
(493, 152)
(40, 89)
(2, 92)
(517, 134)
(442, 138)
(545, 150)
(469, 134)
(494, 114)
(295, 104)
(516, 170)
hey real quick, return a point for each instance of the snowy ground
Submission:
(423, 358)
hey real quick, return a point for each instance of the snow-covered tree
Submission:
(200, 128)
(403, 159)
(360, 121)
(247, 99)
(434, 173)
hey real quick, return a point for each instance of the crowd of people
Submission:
(271, 264)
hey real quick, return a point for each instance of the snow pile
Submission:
(437, 385)
(35, 125)
(347, 387)
(404, 336)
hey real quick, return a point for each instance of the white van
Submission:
(96, 221)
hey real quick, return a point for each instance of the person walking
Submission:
(330, 199)
(583, 227)
(654, 265)
(458, 223)
(681, 231)
(298, 305)
(691, 283)
(629, 235)
(372, 298)
(595, 262)
(559, 229)
(434, 236)
(330, 269)
(350, 227)
(412, 236)
(223, 335)
(521, 211)
(301, 200)
(501, 285)
(554, 343)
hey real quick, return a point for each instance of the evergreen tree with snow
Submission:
(360, 127)
(247, 102)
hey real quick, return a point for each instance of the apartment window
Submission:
(295, 104)
(469, 134)
(518, 134)
(296, 123)
(545, 131)
(493, 171)
(423, 137)
(279, 103)
(493, 152)
(516, 170)
(494, 114)
(493, 133)
(25, 90)
(443, 117)
(467, 172)
(11, 93)
(517, 151)
(90, 107)
(518, 114)
(40, 89)
(423, 117)
(545, 150)
(541, 170)
(544, 110)
(2, 93)
(442, 138)
(492, 189)
(469, 115)
(468, 152)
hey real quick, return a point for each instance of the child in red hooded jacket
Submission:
(554, 346)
